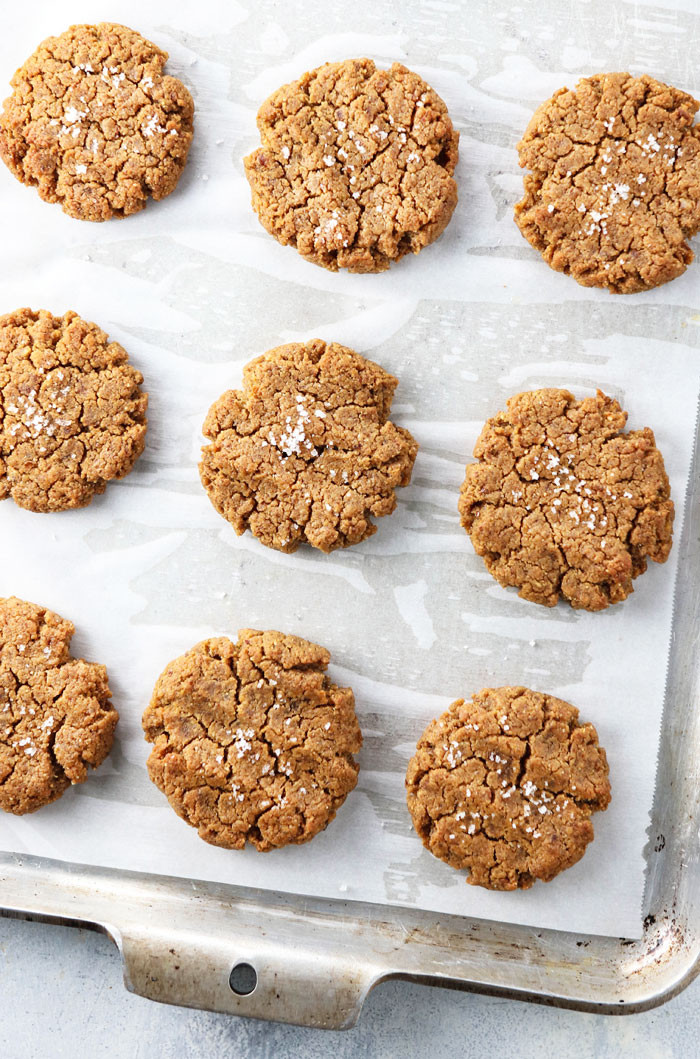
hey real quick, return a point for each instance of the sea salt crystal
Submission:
(73, 115)
(242, 740)
(152, 126)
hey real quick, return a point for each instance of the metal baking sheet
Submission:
(180, 939)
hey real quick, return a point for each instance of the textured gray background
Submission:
(62, 995)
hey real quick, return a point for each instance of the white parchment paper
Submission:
(194, 288)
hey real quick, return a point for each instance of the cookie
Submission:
(305, 452)
(72, 415)
(504, 786)
(252, 742)
(56, 718)
(93, 123)
(614, 188)
(562, 503)
(356, 164)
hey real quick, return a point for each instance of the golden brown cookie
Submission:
(562, 503)
(614, 188)
(93, 123)
(504, 786)
(72, 415)
(356, 164)
(305, 452)
(252, 742)
(56, 718)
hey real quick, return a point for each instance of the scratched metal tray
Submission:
(316, 960)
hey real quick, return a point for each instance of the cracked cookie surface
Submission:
(94, 124)
(56, 718)
(356, 164)
(72, 415)
(305, 451)
(504, 786)
(614, 188)
(562, 503)
(252, 741)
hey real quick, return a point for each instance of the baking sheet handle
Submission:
(292, 984)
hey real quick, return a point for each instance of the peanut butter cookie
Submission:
(356, 164)
(72, 415)
(252, 742)
(504, 786)
(562, 503)
(93, 123)
(614, 188)
(305, 452)
(56, 718)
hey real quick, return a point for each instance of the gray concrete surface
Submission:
(62, 995)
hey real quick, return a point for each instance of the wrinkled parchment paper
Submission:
(194, 288)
